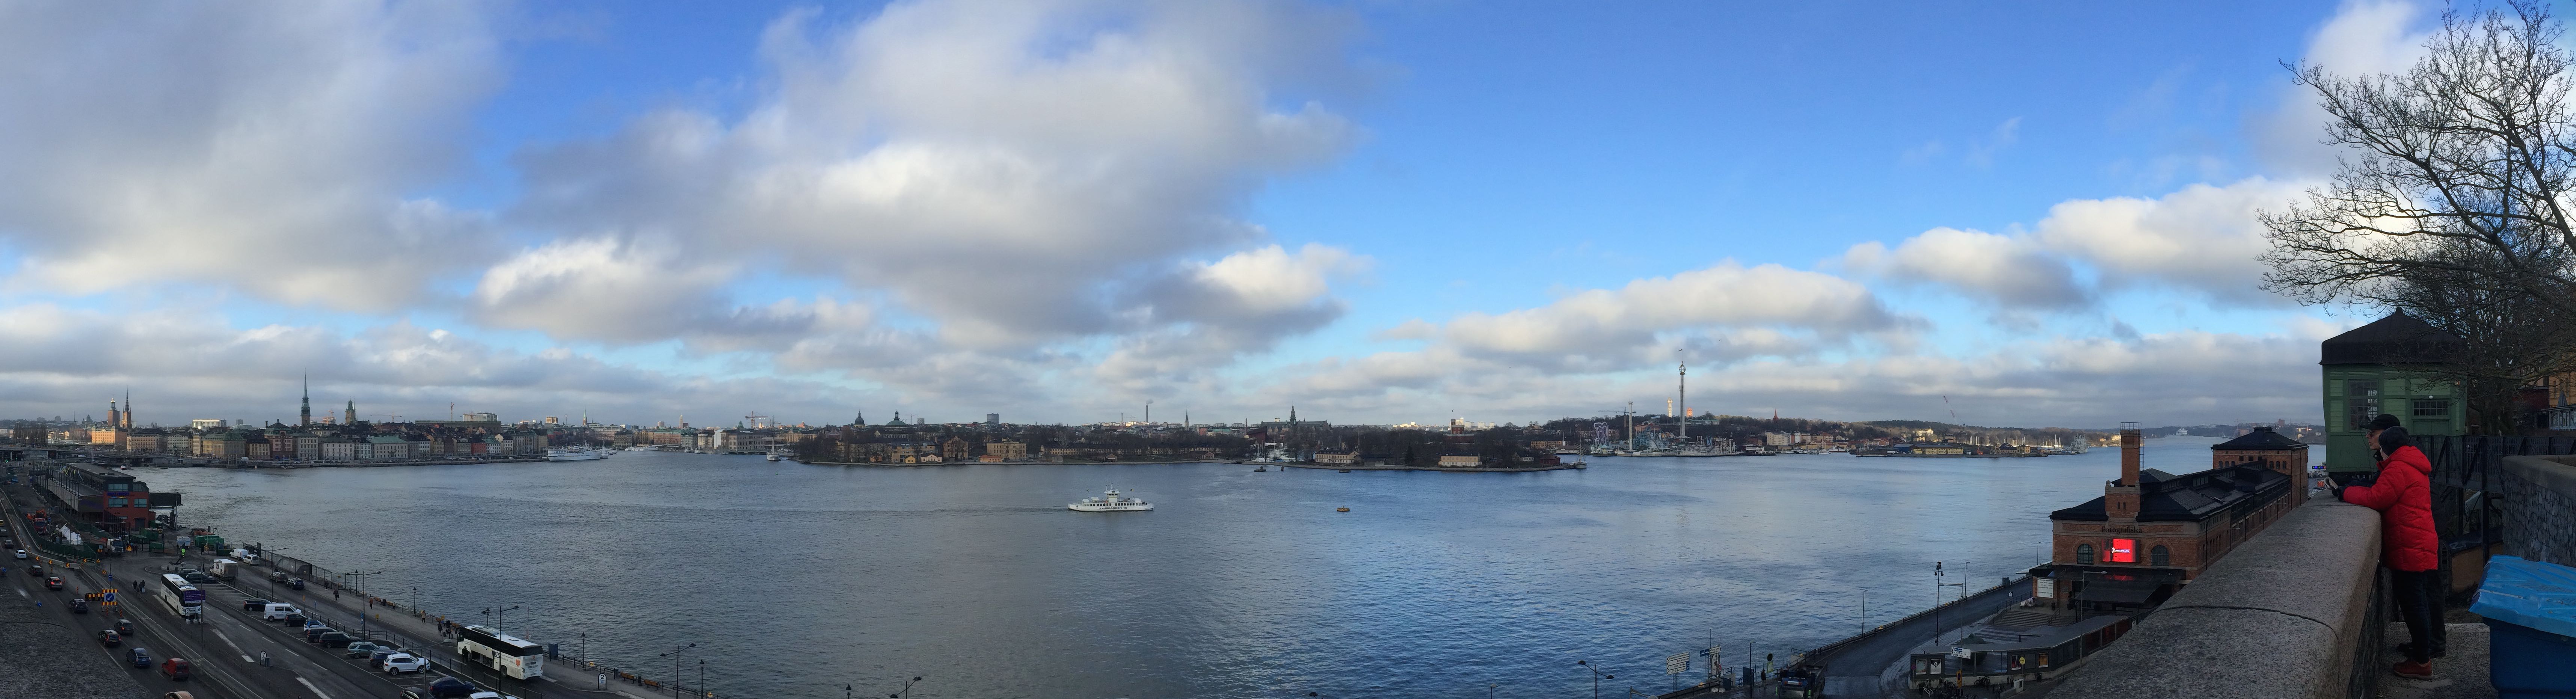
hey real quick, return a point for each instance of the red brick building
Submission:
(2152, 532)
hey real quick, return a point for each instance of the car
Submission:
(334, 639)
(275, 611)
(110, 639)
(381, 653)
(176, 669)
(361, 649)
(450, 688)
(315, 631)
(125, 626)
(36, 571)
(295, 583)
(22, 554)
(138, 656)
(295, 619)
(80, 606)
(254, 604)
(311, 625)
(54, 582)
(400, 663)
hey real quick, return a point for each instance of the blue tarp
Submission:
(2529, 593)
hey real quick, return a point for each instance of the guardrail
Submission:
(2295, 611)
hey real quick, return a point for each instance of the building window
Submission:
(2158, 556)
(2432, 408)
(2362, 402)
(116, 502)
(2084, 554)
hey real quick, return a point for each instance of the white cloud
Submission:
(2201, 238)
(2006, 271)
(271, 147)
(2364, 37)
(1011, 170)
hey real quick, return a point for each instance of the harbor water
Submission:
(796, 580)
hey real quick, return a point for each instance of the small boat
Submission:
(1110, 502)
(572, 454)
(1261, 469)
(1345, 471)
(1341, 509)
(645, 447)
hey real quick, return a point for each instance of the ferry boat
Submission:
(645, 447)
(572, 454)
(1110, 502)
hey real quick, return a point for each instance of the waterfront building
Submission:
(2388, 366)
(2152, 531)
(955, 449)
(1007, 449)
(111, 499)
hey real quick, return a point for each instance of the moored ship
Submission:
(1110, 502)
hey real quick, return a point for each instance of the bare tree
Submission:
(2452, 203)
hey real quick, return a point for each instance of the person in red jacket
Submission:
(2409, 544)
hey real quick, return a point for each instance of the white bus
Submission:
(182, 598)
(502, 652)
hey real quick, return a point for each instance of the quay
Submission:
(1578, 465)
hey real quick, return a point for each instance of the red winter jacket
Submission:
(2403, 496)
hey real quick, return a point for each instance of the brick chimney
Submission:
(2120, 497)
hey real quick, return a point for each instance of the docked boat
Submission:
(1110, 502)
(572, 454)
(645, 447)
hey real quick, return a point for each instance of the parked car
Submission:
(334, 639)
(362, 649)
(254, 604)
(315, 631)
(54, 583)
(400, 663)
(139, 656)
(110, 639)
(295, 619)
(450, 688)
(311, 625)
(176, 669)
(378, 657)
(125, 626)
(277, 611)
(295, 583)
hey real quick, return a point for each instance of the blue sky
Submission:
(1385, 211)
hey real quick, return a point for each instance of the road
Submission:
(228, 643)
(1857, 670)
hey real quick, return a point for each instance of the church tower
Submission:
(127, 420)
(351, 416)
(307, 419)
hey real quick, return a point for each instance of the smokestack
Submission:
(2129, 443)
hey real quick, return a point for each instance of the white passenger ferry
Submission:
(572, 454)
(1110, 502)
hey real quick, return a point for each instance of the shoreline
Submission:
(1478, 469)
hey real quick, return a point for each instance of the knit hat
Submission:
(2384, 421)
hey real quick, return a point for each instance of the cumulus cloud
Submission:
(2007, 271)
(2363, 37)
(267, 146)
(1011, 170)
(1616, 328)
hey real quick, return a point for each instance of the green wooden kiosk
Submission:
(2386, 367)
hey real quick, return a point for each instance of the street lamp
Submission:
(907, 690)
(501, 617)
(1597, 676)
(702, 677)
(366, 605)
(674, 655)
(1936, 597)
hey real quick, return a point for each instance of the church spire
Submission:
(307, 419)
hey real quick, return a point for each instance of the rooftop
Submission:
(2396, 339)
(2263, 437)
(2164, 497)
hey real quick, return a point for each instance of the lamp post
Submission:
(500, 617)
(906, 692)
(1864, 609)
(702, 677)
(366, 605)
(1597, 676)
(674, 655)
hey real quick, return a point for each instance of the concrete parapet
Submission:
(2539, 506)
(2286, 614)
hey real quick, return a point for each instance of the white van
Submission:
(278, 612)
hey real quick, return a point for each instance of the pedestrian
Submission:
(2409, 544)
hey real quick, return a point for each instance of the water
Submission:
(795, 580)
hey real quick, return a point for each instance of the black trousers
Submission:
(2419, 602)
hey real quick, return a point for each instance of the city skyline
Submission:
(1384, 214)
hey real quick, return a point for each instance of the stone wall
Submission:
(2539, 507)
(2288, 613)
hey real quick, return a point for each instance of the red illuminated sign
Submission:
(2123, 551)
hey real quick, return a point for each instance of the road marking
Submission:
(248, 659)
(228, 640)
(317, 691)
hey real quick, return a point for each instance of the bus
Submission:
(502, 652)
(182, 598)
